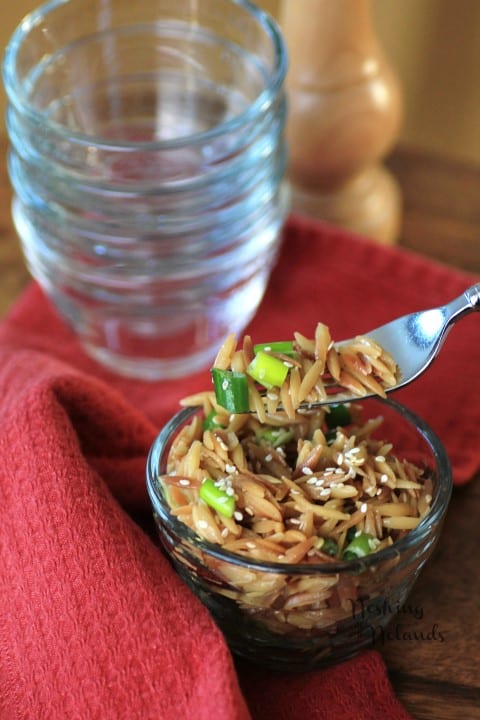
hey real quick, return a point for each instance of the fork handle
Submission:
(473, 296)
(468, 302)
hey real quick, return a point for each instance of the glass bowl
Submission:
(355, 599)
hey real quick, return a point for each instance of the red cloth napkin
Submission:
(93, 621)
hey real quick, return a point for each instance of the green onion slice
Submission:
(339, 416)
(284, 347)
(210, 422)
(267, 370)
(276, 436)
(231, 390)
(362, 544)
(329, 547)
(217, 498)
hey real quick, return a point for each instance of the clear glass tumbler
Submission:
(147, 160)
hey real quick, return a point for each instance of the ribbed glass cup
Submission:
(147, 160)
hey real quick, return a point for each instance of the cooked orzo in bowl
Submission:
(299, 534)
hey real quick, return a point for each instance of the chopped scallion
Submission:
(217, 498)
(210, 422)
(339, 416)
(284, 347)
(276, 436)
(362, 544)
(231, 390)
(329, 547)
(267, 370)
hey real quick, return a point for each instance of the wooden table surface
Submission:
(434, 655)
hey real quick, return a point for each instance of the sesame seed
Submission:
(340, 458)
(380, 458)
(325, 492)
(307, 470)
(363, 508)
(287, 364)
(238, 515)
(272, 396)
(202, 524)
(249, 511)
(184, 482)
(230, 491)
(269, 457)
(224, 532)
(230, 468)
(351, 456)
(384, 478)
(250, 545)
(225, 385)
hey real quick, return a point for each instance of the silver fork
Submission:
(413, 341)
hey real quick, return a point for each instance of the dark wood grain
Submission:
(441, 199)
(434, 655)
(436, 672)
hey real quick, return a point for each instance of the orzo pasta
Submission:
(286, 375)
(319, 489)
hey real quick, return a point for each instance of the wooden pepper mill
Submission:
(345, 111)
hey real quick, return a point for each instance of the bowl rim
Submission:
(411, 539)
(262, 103)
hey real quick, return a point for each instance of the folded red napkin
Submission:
(93, 621)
